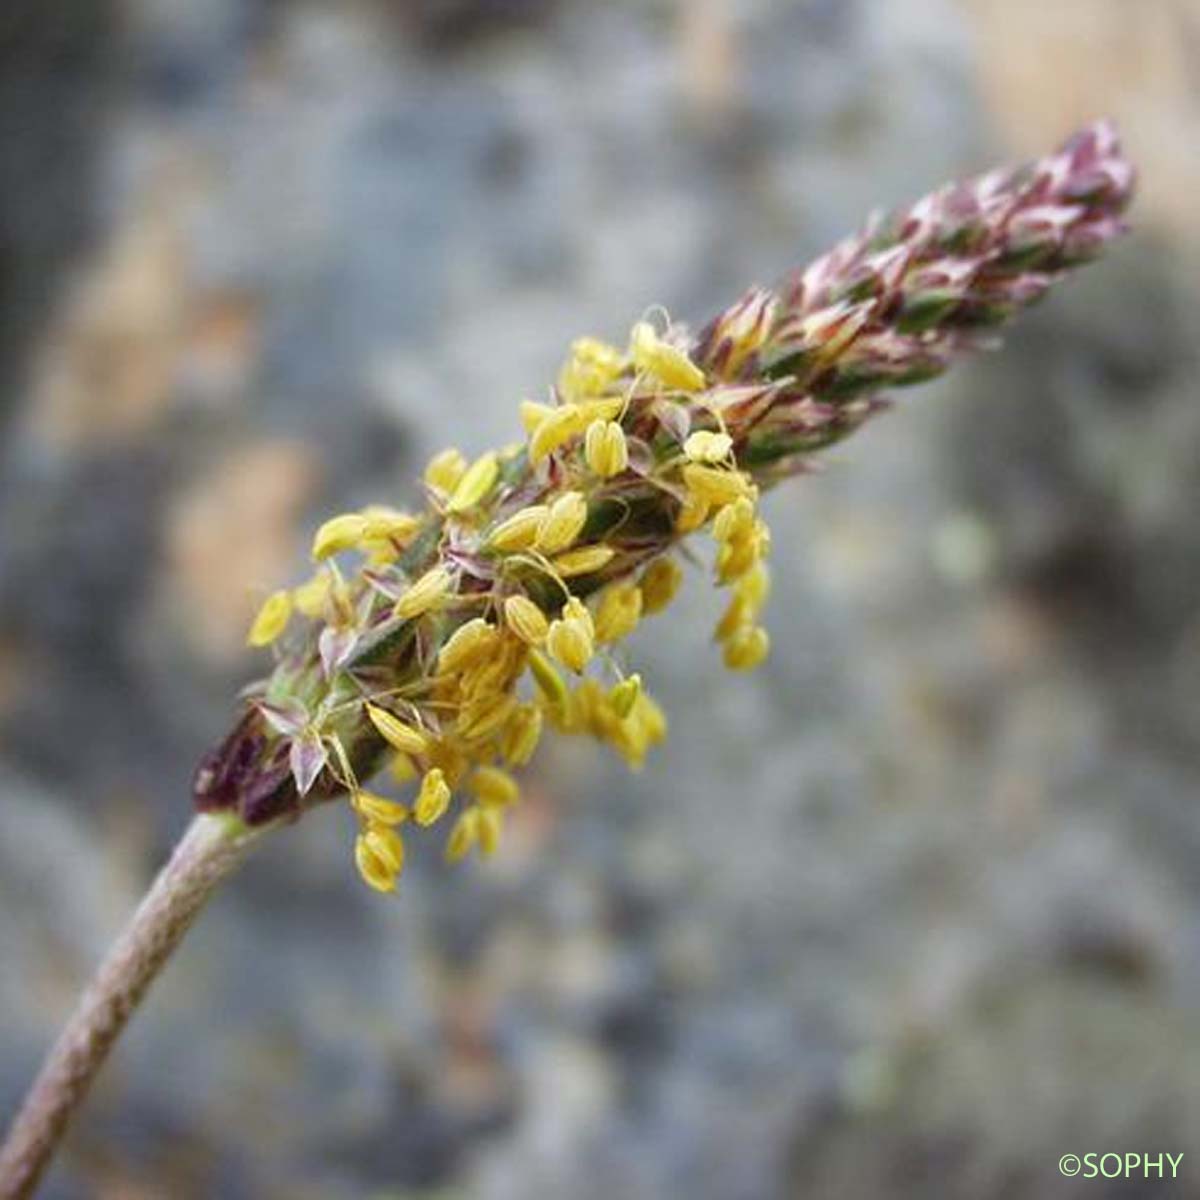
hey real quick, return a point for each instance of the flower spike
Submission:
(470, 626)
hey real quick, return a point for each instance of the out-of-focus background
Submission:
(913, 911)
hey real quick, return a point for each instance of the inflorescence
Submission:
(460, 631)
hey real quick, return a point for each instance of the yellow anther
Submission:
(754, 587)
(583, 561)
(374, 869)
(378, 808)
(520, 531)
(718, 487)
(563, 524)
(555, 430)
(475, 483)
(345, 532)
(576, 610)
(433, 799)
(312, 597)
(387, 845)
(526, 620)
(428, 592)
(625, 695)
(652, 718)
(645, 726)
(734, 520)
(389, 524)
(605, 448)
(603, 408)
(271, 620)
(737, 614)
(549, 681)
(591, 367)
(705, 446)
(444, 470)
(746, 648)
(533, 414)
(463, 836)
(469, 643)
(522, 734)
(492, 786)
(498, 670)
(598, 354)
(618, 613)
(397, 733)
(570, 642)
(693, 512)
(659, 583)
(668, 364)
(486, 716)
(736, 557)
(491, 822)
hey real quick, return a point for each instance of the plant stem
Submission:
(211, 847)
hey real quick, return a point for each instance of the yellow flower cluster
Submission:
(501, 605)
(528, 567)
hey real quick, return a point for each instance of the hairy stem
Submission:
(210, 849)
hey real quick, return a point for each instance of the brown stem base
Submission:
(211, 847)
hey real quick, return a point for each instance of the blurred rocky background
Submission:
(913, 911)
